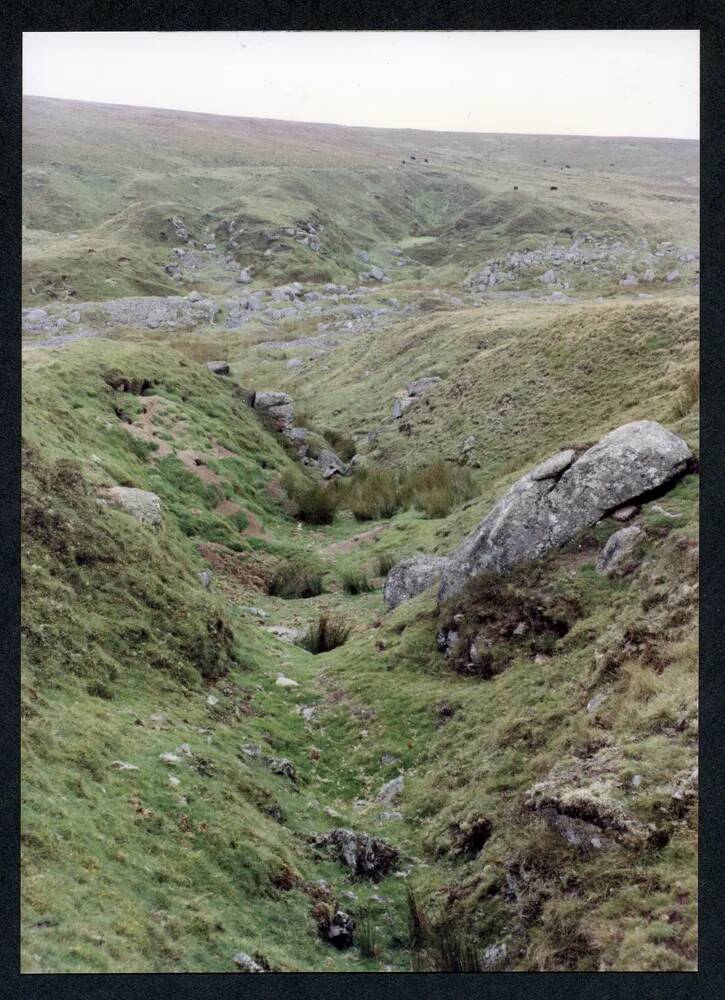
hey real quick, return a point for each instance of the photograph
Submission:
(360, 502)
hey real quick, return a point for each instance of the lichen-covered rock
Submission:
(276, 405)
(218, 367)
(548, 506)
(330, 464)
(412, 576)
(140, 504)
(365, 856)
(582, 799)
(539, 514)
(618, 546)
(246, 963)
(392, 791)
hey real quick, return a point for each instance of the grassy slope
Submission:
(143, 165)
(182, 878)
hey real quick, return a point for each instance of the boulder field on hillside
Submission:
(548, 506)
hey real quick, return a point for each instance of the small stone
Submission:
(246, 963)
(285, 682)
(392, 791)
(212, 700)
(625, 513)
(596, 702)
(121, 765)
(169, 758)
(174, 781)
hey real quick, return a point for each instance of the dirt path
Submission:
(62, 340)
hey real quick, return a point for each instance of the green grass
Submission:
(126, 656)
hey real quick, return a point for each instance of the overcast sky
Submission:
(634, 83)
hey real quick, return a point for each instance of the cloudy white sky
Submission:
(631, 83)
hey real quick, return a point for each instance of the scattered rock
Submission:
(596, 702)
(494, 957)
(218, 367)
(205, 578)
(392, 791)
(246, 963)
(579, 799)
(626, 513)
(276, 405)
(284, 633)
(121, 765)
(337, 929)
(617, 548)
(169, 758)
(391, 817)
(285, 682)
(280, 765)
(365, 856)
(142, 505)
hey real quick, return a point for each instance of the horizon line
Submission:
(376, 128)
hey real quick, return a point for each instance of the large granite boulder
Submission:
(548, 506)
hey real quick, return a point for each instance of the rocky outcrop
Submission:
(152, 311)
(413, 391)
(580, 798)
(330, 464)
(365, 856)
(412, 576)
(548, 506)
(140, 504)
(277, 406)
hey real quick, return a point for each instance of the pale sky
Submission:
(627, 83)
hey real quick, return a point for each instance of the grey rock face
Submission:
(578, 798)
(339, 931)
(365, 856)
(377, 273)
(422, 385)
(140, 504)
(618, 546)
(401, 405)
(330, 464)
(412, 576)
(548, 506)
(218, 367)
(392, 791)
(246, 963)
(205, 578)
(537, 515)
(277, 405)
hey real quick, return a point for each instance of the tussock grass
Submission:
(313, 501)
(354, 581)
(297, 577)
(688, 395)
(325, 634)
